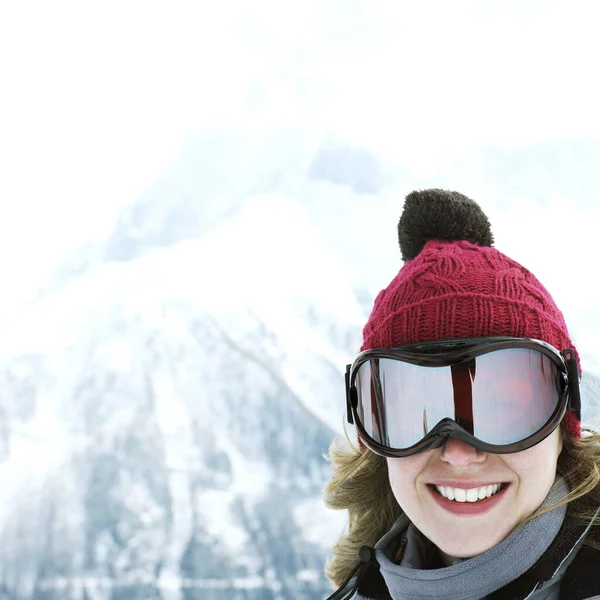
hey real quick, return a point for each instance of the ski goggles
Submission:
(500, 395)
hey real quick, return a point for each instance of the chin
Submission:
(468, 548)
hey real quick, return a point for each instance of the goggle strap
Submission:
(573, 375)
(348, 401)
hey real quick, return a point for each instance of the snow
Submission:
(131, 350)
(322, 528)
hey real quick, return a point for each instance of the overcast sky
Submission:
(97, 98)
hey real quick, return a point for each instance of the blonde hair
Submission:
(360, 485)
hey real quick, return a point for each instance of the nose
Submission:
(460, 454)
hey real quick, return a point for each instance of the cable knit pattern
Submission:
(460, 290)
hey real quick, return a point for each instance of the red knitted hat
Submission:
(455, 285)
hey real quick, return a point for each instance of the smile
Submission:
(470, 495)
(461, 501)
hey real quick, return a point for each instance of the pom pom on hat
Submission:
(441, 215)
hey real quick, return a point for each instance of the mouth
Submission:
(474, 495)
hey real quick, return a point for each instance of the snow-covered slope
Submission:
(163, 419)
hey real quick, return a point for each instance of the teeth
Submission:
(460, 495)
(472, 495)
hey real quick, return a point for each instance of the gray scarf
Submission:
(473, 578)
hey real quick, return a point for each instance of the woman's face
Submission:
(466, 529)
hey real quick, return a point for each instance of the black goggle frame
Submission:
(455, 351)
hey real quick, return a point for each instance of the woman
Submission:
(472, 478)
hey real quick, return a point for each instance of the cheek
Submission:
(403, 473)
(537, 466)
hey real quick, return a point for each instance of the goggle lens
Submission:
(500, 398)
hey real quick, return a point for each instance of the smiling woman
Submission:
(472, 478)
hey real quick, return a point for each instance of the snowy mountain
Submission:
(198, 192)
(164, 419)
